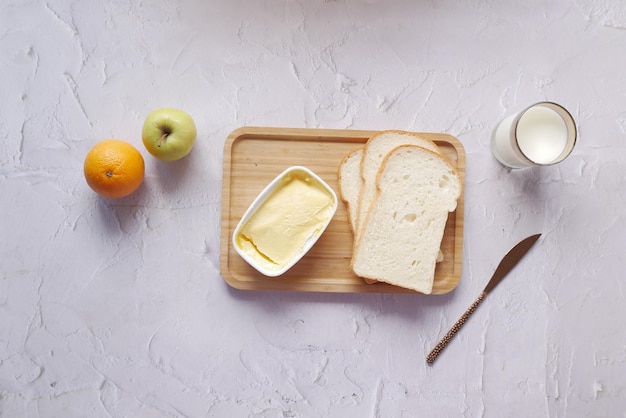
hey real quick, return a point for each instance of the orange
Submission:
(114, 168)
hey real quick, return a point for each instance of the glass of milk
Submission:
(542, 134)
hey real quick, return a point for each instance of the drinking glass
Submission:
(540, 135)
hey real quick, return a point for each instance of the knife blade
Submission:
(507, 263)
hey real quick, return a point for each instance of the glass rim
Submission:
(572, 132)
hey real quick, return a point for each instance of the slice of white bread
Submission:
(349, 172)
(375, 151)
(349, 180)
(402, 233)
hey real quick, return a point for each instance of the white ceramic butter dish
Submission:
(284, 221)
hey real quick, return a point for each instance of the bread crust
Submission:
(341, 181)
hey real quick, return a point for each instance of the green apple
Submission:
(168, 133)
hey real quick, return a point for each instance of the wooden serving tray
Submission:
(254, 156)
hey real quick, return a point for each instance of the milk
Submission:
(543, 134)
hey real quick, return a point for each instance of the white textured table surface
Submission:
(116, 308)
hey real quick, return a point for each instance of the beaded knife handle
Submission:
(455, 328)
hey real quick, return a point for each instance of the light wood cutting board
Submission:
(254, 156)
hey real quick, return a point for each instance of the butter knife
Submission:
(509, 261)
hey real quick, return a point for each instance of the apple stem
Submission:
(162, 139)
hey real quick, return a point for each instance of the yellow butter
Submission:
(297, 210)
